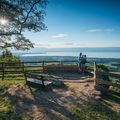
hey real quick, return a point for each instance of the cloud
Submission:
(59, 36)
(94, 30)
(82, 44)
(100, 30)
(42, 45)
(68, 43)
(109, 30)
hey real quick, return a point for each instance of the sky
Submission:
(80, 23)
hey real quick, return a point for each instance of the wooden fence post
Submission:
(23, 68)
(61, 69)
(95, 76)
(43, 66)
(3, 71)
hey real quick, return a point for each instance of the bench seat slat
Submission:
(36, 80)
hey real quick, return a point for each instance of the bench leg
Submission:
(43, 83)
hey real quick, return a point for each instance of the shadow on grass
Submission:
(6, 110)
(95, 111)
(109, 94)
(113, 96)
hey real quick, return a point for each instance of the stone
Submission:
(85, 92)
(97, 98)
(86, 85)
(96, 93)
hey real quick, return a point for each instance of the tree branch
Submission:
(20, 31)
(10, 33)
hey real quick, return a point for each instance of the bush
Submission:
(103, 68)
(7, 56)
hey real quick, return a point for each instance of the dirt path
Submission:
(49, 105)
(41, 105)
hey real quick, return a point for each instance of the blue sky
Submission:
(80, 23)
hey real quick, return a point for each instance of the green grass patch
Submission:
(113, 96)
(6, 108)
(94, 111)
(6, 83)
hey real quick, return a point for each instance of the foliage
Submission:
(6, 110)
(7, 56)
(103, 68)
(22, 16)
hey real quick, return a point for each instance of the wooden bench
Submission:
(36, 80)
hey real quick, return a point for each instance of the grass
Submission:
(6, 83)
(6, 108)
(94, 111)
(101, 110)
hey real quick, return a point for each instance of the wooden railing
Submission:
(10, 69)
(16, 70)
(98, 81)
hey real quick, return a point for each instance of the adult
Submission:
(83, 62)
(79, 61)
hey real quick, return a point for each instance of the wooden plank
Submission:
(38, 81)
(43, 65)
(20, 71)
(10, 66)
(110, 74)
(20, 67)
(34, 85)
(95, 75)
(39, 62)
(10, 75)
(32, 66)
(3, 72)
(107, 83)
(35, 75)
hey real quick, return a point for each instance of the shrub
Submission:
(7, 56)
(103, 68)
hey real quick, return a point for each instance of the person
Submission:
(83, 62)
(79, 61)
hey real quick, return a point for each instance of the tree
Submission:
(7, 56)
(17, 17)
(6, 53)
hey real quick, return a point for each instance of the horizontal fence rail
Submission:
(108, 83)
(98, 81)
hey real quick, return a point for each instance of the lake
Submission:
(75, 54)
